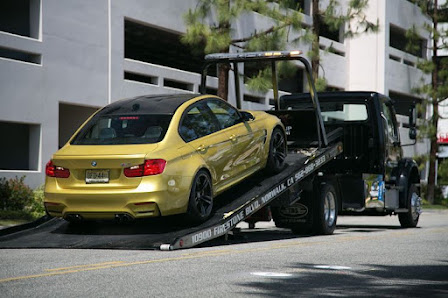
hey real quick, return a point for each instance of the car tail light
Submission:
(150, 167)
(54, 171)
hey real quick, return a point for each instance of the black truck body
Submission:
(371, 176)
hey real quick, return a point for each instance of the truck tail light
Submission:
(57, 172)
(149, 168)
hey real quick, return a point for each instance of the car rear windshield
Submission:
(123, 129)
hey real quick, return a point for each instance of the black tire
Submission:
(200, 204)
(410, 218)
(326, 210)
(277, 152)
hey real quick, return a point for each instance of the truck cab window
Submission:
(390, 125)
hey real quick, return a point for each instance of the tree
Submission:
(354, 19)
(209, 25)
(437, 90)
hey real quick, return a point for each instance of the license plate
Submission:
(97, 176)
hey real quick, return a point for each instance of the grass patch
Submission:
(443, 205)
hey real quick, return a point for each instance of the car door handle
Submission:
(201, 148)
(233, 138)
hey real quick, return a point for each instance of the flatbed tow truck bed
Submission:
(169, 233)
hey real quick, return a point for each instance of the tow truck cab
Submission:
(371, 176)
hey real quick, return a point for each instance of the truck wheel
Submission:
(410, 218)
(326, 211)
(200, 204)
(277, 152)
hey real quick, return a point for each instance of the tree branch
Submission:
(270, 30)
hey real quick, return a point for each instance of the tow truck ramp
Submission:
(234, 206)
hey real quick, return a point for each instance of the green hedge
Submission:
(19, 201)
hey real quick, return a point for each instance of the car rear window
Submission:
(123, 129)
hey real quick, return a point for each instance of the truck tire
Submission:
(326, 210)
(410, 218)
(200, 203)
(277, 152)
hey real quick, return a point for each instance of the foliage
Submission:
(438, 195)
(16, 195)
(4, 193)
(210, 27)
(37, 208)
(436, 90)
(19, 201)
(209, 24)
(443, 172)
(355, 18)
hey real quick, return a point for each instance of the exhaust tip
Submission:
(123, 218)
(74, 218)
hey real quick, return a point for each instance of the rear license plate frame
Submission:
(100, 176)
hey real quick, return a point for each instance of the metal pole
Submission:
(275, 85)
(236, 75)
(322, 135)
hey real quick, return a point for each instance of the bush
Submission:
(19, 201)
(4, 193)
(20, 194)
(438, 195)
(37, 208)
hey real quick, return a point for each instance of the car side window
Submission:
(226, 115)
(197, 122)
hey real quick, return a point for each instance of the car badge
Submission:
(93, 163)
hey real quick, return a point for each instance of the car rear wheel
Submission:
(200, 204)
(277, 152)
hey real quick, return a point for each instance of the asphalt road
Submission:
(367, 256)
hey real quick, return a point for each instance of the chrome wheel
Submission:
(416, 208)
(329, 209)
(409, 219)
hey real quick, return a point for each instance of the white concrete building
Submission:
(60, 60)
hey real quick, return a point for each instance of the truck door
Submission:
(391, 137)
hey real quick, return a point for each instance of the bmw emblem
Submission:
(93, 163)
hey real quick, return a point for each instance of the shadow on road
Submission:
(378, 281)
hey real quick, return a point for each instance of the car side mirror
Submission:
(247, 116)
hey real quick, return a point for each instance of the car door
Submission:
(200, 130)
(245, 156)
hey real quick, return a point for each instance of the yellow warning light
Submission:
(268, 54)
(295, 53)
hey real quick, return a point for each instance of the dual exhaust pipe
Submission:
(119, 218)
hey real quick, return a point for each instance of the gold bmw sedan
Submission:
(160, 155)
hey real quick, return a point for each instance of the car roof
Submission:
(148, 104)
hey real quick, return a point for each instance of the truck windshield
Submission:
(123, 129)
(343, 112)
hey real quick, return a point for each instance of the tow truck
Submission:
(320, 180)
